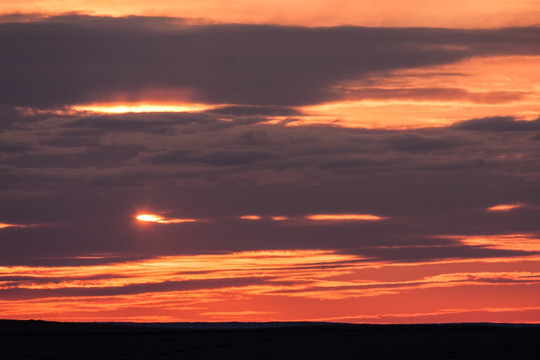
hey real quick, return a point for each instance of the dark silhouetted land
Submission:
(49, 340)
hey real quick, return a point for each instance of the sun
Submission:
(150, 218)
(163, 220)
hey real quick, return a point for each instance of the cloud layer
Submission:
(265, 194)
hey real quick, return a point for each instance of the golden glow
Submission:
(250, 217)
(504, 207)
(434, 96)
(459, 13)
(162, 220)
(279, 218)
(344, 217)
(140, 108)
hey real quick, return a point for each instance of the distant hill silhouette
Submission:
(276, 340)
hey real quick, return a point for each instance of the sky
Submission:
(345, 161)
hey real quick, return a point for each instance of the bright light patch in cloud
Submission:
(345, 217)
(504, 207)
(250, 217)
(162, 220)
(141, 108)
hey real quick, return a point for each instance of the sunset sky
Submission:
(348, 160)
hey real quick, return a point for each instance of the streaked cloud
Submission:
(505, 207)
(345, 217)
(250, 217)
(521, 242)
(250, 285)
(5, 225)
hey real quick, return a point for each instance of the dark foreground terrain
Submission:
(49, 340)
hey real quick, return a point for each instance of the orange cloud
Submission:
(4, 225)
(250, 217)
(521, 242)
(505, 207)
(434, 96)
(345, 217)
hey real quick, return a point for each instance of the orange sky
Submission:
(281, 286)
(383, 223)
(429, 13)
(475, 88)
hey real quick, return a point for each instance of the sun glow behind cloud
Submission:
(140, 108)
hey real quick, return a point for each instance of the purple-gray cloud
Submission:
(77, 59)
(94, 173)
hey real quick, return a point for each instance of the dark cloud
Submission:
(15, 147)
(256, 110)
(25, 293)
(413, 142)
(216, 158)
(498, 123)
(100, 157)
(78, 59)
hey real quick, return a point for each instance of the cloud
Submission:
(504, 207)
(100, 59)
(216, 158)
(520, 242)
(344, 217)
(498, 123)
(413, 142)
(438, 94)
(250, 217)
(256, 110)
(6, 225)
(15, 147)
